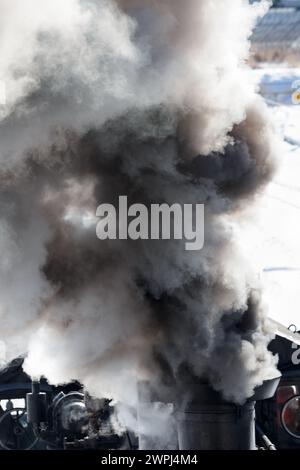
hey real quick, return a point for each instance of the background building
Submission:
(277, 35)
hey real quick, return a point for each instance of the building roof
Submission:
(289, 3)
(279, 27)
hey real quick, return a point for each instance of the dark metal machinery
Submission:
(187, 415)
(36, 415)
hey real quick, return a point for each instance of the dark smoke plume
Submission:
(153, 100)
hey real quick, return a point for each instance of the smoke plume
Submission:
(153, 100)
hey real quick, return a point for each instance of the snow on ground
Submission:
(278, 227)
(287, 119)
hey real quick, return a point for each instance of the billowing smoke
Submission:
(152, 100)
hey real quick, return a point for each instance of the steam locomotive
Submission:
(37, 415)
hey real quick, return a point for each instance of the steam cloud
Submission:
(153, 100)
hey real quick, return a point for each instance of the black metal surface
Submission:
(207, 422)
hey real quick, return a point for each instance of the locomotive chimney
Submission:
(205, 421)
(200, 418)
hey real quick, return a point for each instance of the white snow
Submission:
(278, 230)
(280, 233)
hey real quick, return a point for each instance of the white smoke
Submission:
(118, 97)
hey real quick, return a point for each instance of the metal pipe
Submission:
(264, 438)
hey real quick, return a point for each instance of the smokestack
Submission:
(195, 417)
(208, 422)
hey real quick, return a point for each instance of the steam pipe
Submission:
(35, 387)
(264, 438)
(36, 404)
